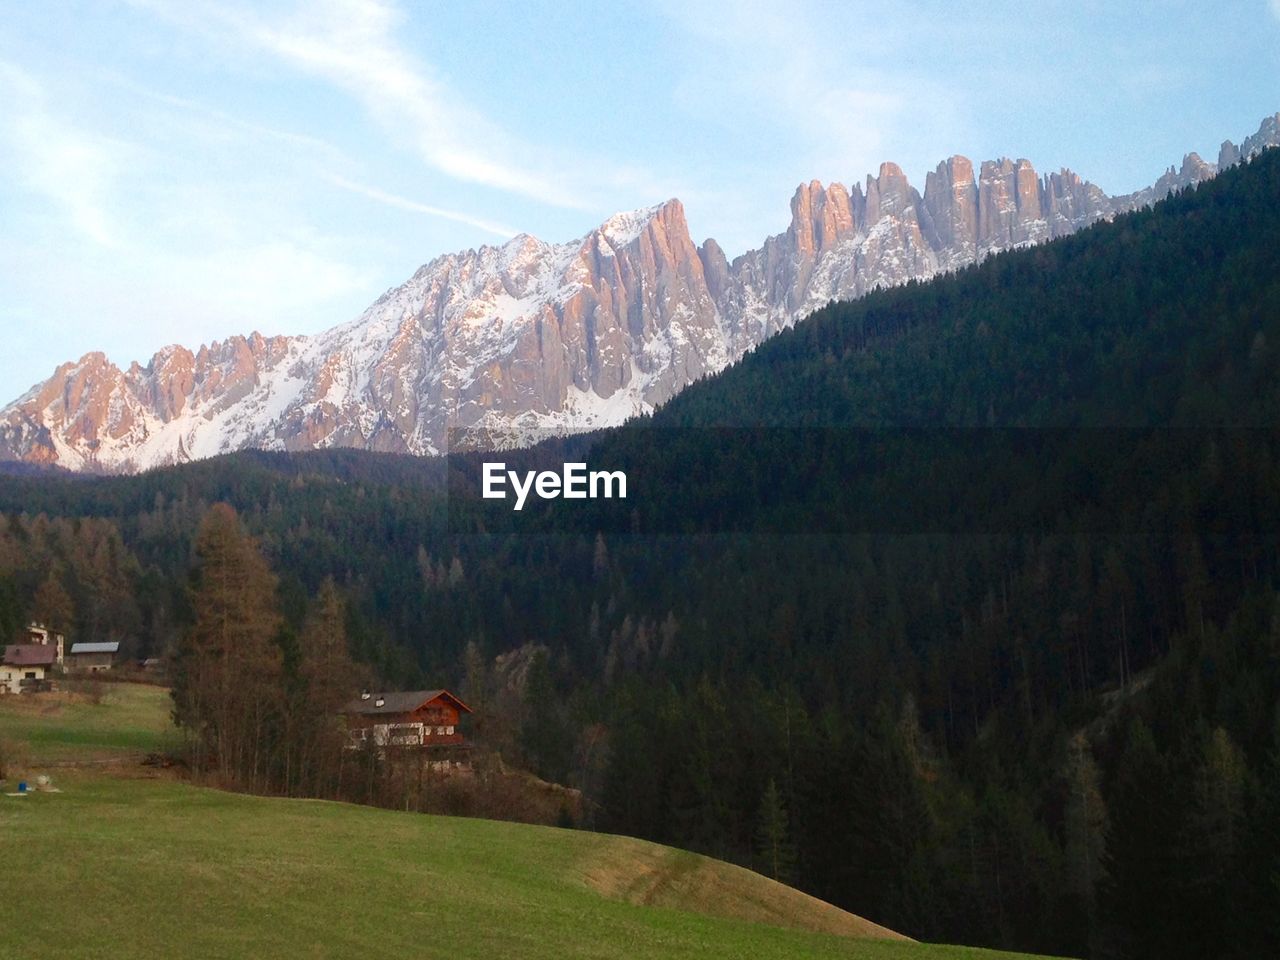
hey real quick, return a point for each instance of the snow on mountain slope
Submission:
(505, 344)
(580, 335)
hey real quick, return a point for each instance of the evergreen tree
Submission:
(1258, 913)
(1086, 830)
(327, 680)
(1212, 836)
(1140, 902)
(773, 840)
(600, 559)
(545, 737)
(475, 684)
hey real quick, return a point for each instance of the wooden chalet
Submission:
(410, 719)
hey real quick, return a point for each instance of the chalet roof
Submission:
(112, 646)
(404, 701)
(30, 655)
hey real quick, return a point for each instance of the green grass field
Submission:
(132, 719)
(138, 865)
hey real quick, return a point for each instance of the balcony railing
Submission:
(406, 735)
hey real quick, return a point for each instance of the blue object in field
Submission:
(22, 786)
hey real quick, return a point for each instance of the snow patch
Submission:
(623, 228)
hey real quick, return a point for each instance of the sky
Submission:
(179, 171)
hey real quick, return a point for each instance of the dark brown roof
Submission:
(404, 701)
(30, 655)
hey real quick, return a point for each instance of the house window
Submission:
(31, 674)
(448, 730)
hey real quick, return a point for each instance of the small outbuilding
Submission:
(92, 657)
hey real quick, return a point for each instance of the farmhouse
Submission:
(415, 719)
(24, 667)
(92, 657)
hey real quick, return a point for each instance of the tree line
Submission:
(260, 703)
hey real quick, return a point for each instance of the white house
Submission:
(24, 666)
(40, 635)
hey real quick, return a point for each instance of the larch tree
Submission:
(229, 678)
(329, 678)
(52, 605)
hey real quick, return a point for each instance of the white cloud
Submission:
(130, 306)
(161, 246)
(774, 62)
(1275, 8)
(219, 124)
(68, 167)
(392, 200)
(797, 98)
(264, 285)
(351, 44)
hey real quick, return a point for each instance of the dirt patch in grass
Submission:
(651, 875)
(36, 704)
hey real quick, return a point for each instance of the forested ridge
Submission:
(1041, 713)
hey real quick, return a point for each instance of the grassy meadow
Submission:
(131, 720)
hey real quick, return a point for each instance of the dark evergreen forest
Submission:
(957, 606)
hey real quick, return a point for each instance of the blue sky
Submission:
(183, 170)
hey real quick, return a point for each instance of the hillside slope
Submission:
(159, 851)
(160, 869)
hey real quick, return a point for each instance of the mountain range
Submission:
(506, 344)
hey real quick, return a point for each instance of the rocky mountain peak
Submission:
(820, 217)
(889, 194)
(623, 229)
(715, 268)
(951, 207)
(503, 344)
